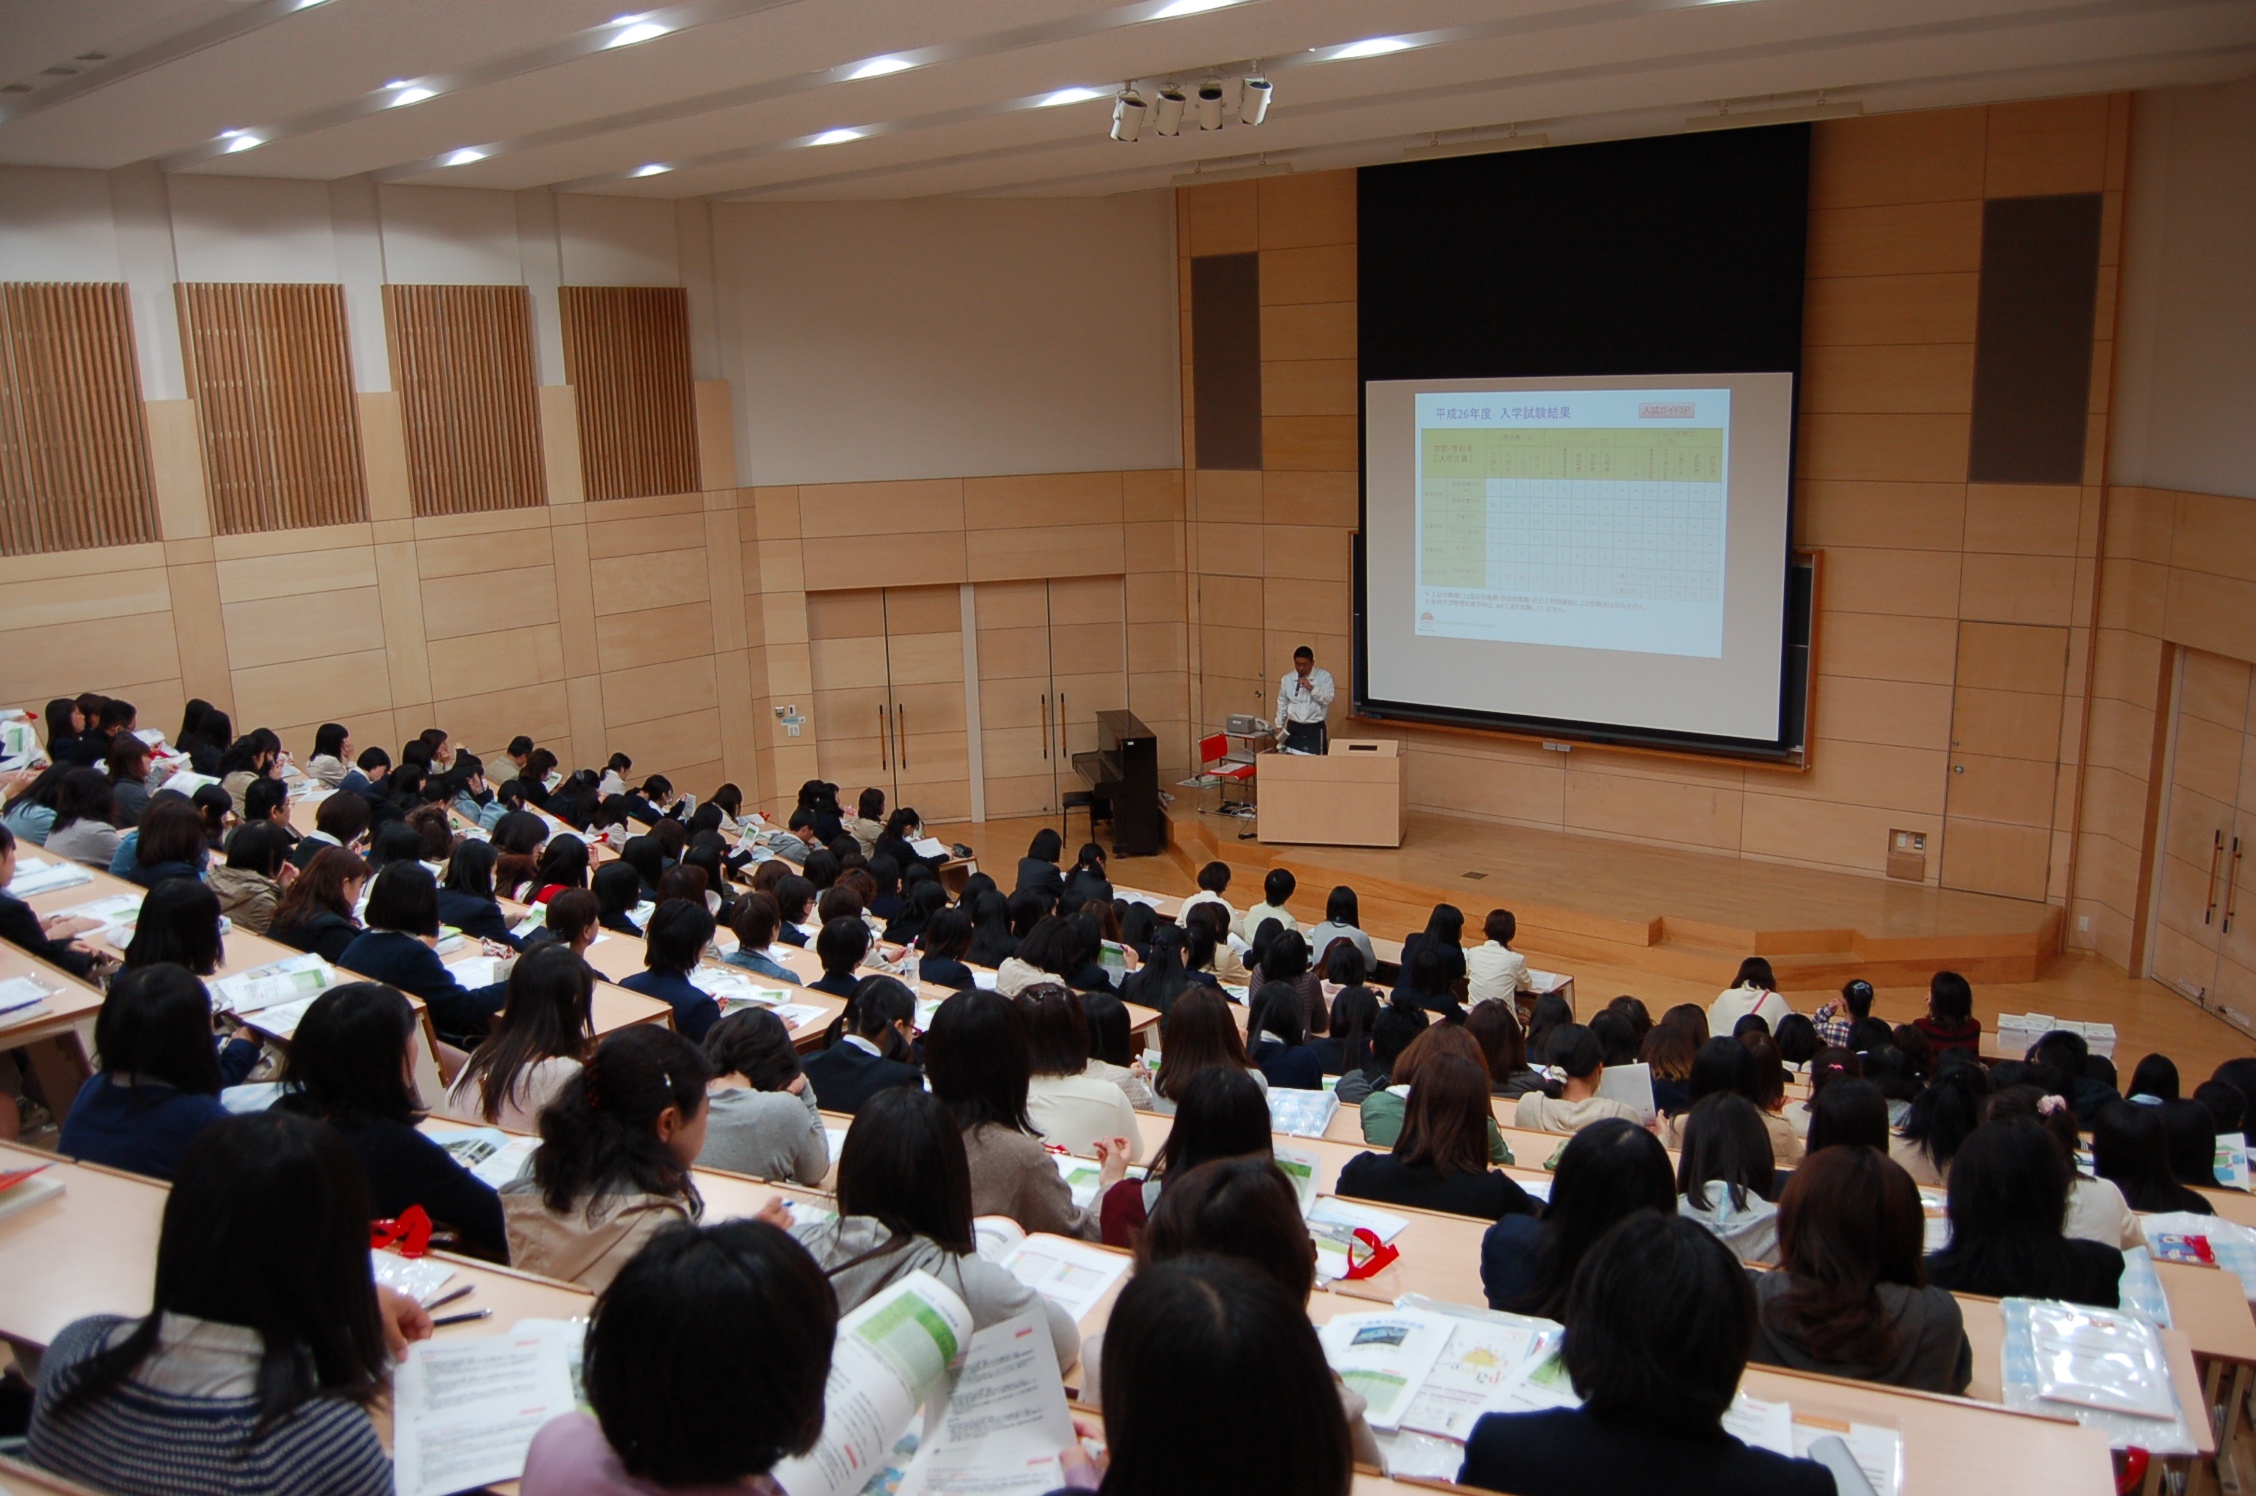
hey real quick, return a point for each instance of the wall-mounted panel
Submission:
(626, 353)
(2033, 348)
(74, 451)
(462, 361)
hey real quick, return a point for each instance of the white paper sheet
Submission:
(1385, 1357)
(1073, 1275)
(37, 875)
(890, 1355)
(1479, 1357)
(466, 1410)
(1005, 1422)
(493, 1157)
(282, 981)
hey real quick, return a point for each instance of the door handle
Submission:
(2216, 855)
(1045, 727)
(884, 743)
(1064, 747)
(2232, 886)
(901, 728)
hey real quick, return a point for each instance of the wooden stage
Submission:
(1672, 926)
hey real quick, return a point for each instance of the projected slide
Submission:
(1591, 518)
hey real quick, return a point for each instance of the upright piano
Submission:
(1124, 773)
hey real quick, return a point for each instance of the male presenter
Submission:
(1304, 699)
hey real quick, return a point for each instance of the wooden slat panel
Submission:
(271, 370)
(626, 352)
(74, 451)
(462, 361)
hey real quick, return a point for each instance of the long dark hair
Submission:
(2131, 1150)
(872, 1008)
(600, 1135)
(1445, 1122)
(978, 1062)
(1219, 1113)
(1611, 1169)
(2008, 1202)
(1850, 1221)
(156, 1025)
(1355, 1013)
(345, 1058)
(1948, 1111)
(903, 1165)
(179, 923)
(1199, 1034)
(319, 888)
(265, 1226)
(548, 1014)
(1726, 1143)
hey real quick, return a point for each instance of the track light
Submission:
(1253, 99)
(1128, 111)
(1210, 104)
(1167, 115)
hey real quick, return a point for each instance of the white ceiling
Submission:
(731, 95)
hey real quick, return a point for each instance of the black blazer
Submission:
(402, 961)
(2082, 1272)
(1487, 1196)
(1040, 877)
(326, 935)
(406, 1168)
(898, 848)
(1567, 1452)
(836, 983)
(944, 971)
(19, 926)
(480, 919)
(1090, 884)
(846, 1075)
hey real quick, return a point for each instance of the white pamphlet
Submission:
(1631, 1085)
(797, 1016)
(1385, 1357)
(1005, 1423)
(282, 981)
(929, 846)
(35, 876)
(1303, 1169)
(1073, 1275)
(890, 1355)
(1483, 1351)
(493, 1157)
(476, 971)
(465, 1411)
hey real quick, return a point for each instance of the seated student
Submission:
(679, 932)
(1668, 1053)
(128, 770)
(351, 1065)
(1343, 1052)
(30, 813)
(160, 1080)
(1726, 1175)
(1087, 875)
(1069, 1107)
(544, 1031)
(1851, 1297)
(1943, 1117)
(248, 886)
(867, 823)
(977, 1062)
(2154, 1080)
(613, 1167)
(1221, 1114)
(1494, 971)
(265, 1345)
(50, 937)
(371, 780)
(563, 864)
(841, 946)
(84, 828)
(2192, 1137)
(867, 1048)
(755, 921)
(332, 754)
(1383, 1110)
(533, 776)
(1038, 870)
(169, 843)
(339, 821)
(2228, 1109)
(1753, 990)
(2131, 1150)
(1659, 1325)
(923, 903)
(1609, 1170)
(1343, 919)
(1199, 1033)
(942, 948)
(1840, 1014)
(267, 802)
(1848, 1111)
(2097, 1210)
(1571, 1104)
(466, 894)
(1279, 1041)
(618, 889)
(1440, 1162)
(1286, 960)
(691, 1300)
(1398, 1024)
(179, 923)
(394, 841)
(398, 948)
(763, 1114)
(2008, 1200)
(1213, 882)
(316, 912)
(1949, 1022)
(904, 1206)
(1769, 1096)
(1277, 886)
(66, 724)
(254, 756)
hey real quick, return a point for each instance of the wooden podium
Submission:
(1351, 796)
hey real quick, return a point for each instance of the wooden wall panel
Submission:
(626, 354)
(271, 371)
(74, 450)
(462, 362)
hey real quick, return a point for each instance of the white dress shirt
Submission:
(1304, 700)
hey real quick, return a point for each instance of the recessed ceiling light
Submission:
(1377, 46)
(654, 169)
(463, 157)
(878, 67)
(409, 93)
(633, 29)
(1189, 8)
(836, 137)
(240, 140)
(1067, 96)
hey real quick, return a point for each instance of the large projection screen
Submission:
(1608, 551)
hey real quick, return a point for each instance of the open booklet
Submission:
(465, 1410)
(268, 986)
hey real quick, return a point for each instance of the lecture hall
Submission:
(1172, 748)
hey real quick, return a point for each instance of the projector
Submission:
(1246, 727)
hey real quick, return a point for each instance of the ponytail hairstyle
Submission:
(875, 1005)
(1948, 1111)
(1575, 1051)
(600, 1135)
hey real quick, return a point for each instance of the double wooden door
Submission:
(887, 667)
(2204, 935)
(1052, 654)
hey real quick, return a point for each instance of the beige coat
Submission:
(590, 1243)
(245, 897)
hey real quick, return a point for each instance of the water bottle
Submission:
(911, 964)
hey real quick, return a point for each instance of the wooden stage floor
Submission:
(1671, 927)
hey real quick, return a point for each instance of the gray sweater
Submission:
(991, 1294)
(767, 1134)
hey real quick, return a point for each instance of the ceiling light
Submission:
(1167, 115)
(1210, 104)
(654, 169)
(1189, 8)
(463, 157)
(1128, 112)
(410, 93)
(1376, 46)
(633, 29)
(1253, 99)
(1067, 96)
(878, 67)
(835, 137)
(240, 140)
